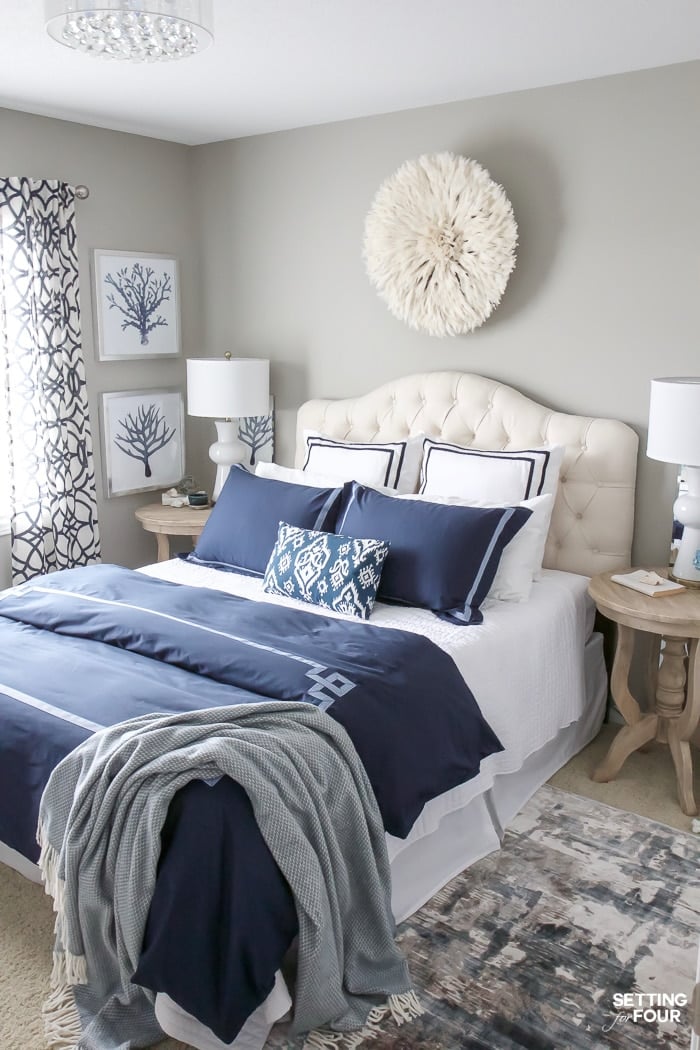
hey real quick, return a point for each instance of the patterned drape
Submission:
(53, 504)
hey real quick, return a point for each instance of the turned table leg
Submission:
(629, 739)
(163, 546)
(640, 729)
(681, 728)
(683, 761)
(653, 661)
(619, 678)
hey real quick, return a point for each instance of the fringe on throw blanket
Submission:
(62, 1027)
(402, 1008)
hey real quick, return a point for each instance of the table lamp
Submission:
(226, 389)
(674, 437)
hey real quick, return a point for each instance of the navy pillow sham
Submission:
(241, 530)
(441, 557)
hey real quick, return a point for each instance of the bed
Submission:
(555, 664)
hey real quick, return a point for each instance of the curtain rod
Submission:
(82, 193)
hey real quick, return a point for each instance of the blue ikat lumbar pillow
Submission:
(334, 572)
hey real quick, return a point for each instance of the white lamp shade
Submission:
(674, 420)
(221, 388)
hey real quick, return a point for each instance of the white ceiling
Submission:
(287, 63)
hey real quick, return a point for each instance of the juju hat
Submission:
(440, 242)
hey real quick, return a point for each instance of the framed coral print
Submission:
(142, 440)
(136, 298)
(257, 433)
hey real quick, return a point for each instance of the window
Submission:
(4, 424)
(41, 382)
(4, 448)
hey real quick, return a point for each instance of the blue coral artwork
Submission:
(137, 305)
(142, 440)
(257, 433)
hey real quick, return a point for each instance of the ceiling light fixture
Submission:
(138, 30)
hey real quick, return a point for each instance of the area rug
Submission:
(526, 950)
(569, 938)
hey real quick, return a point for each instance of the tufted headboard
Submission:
(593, 516)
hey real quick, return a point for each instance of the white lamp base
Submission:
(686, 510)
(225, 451)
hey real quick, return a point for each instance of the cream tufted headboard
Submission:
(593, 516)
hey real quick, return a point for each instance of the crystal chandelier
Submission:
(139, 30)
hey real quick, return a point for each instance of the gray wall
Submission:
(139, 200)
(603, 176)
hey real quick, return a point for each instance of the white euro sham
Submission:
(389, 464)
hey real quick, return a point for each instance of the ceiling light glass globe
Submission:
(140, 30)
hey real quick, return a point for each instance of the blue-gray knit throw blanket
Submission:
(99, 828)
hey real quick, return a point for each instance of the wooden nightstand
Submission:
(675, 619)
(172, 521)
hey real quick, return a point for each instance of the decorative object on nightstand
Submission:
(173, 498)
(675, 622)
(172, 521)
(674, 437)
(198, 499)
(186, 494)
(440, 242)
(647, 582)
(227, 389)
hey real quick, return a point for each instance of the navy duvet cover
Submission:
(87, 648)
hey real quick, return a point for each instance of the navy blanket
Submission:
(88, 648)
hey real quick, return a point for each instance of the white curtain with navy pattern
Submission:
(53, 508)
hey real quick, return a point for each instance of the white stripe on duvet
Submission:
(49, 709)
(175, 619)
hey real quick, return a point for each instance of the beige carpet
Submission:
(646, 785)
(26, 936)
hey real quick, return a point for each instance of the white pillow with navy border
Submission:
(507, 476)
(378, 464)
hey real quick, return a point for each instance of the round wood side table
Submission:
(172, 521)
(675, 620)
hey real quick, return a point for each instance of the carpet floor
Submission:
(524, 951)
(646, 784)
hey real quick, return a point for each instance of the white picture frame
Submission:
(136, 305)
(143, 440)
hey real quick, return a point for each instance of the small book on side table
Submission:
(648, 583)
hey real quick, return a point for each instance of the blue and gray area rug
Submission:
(580, 934)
